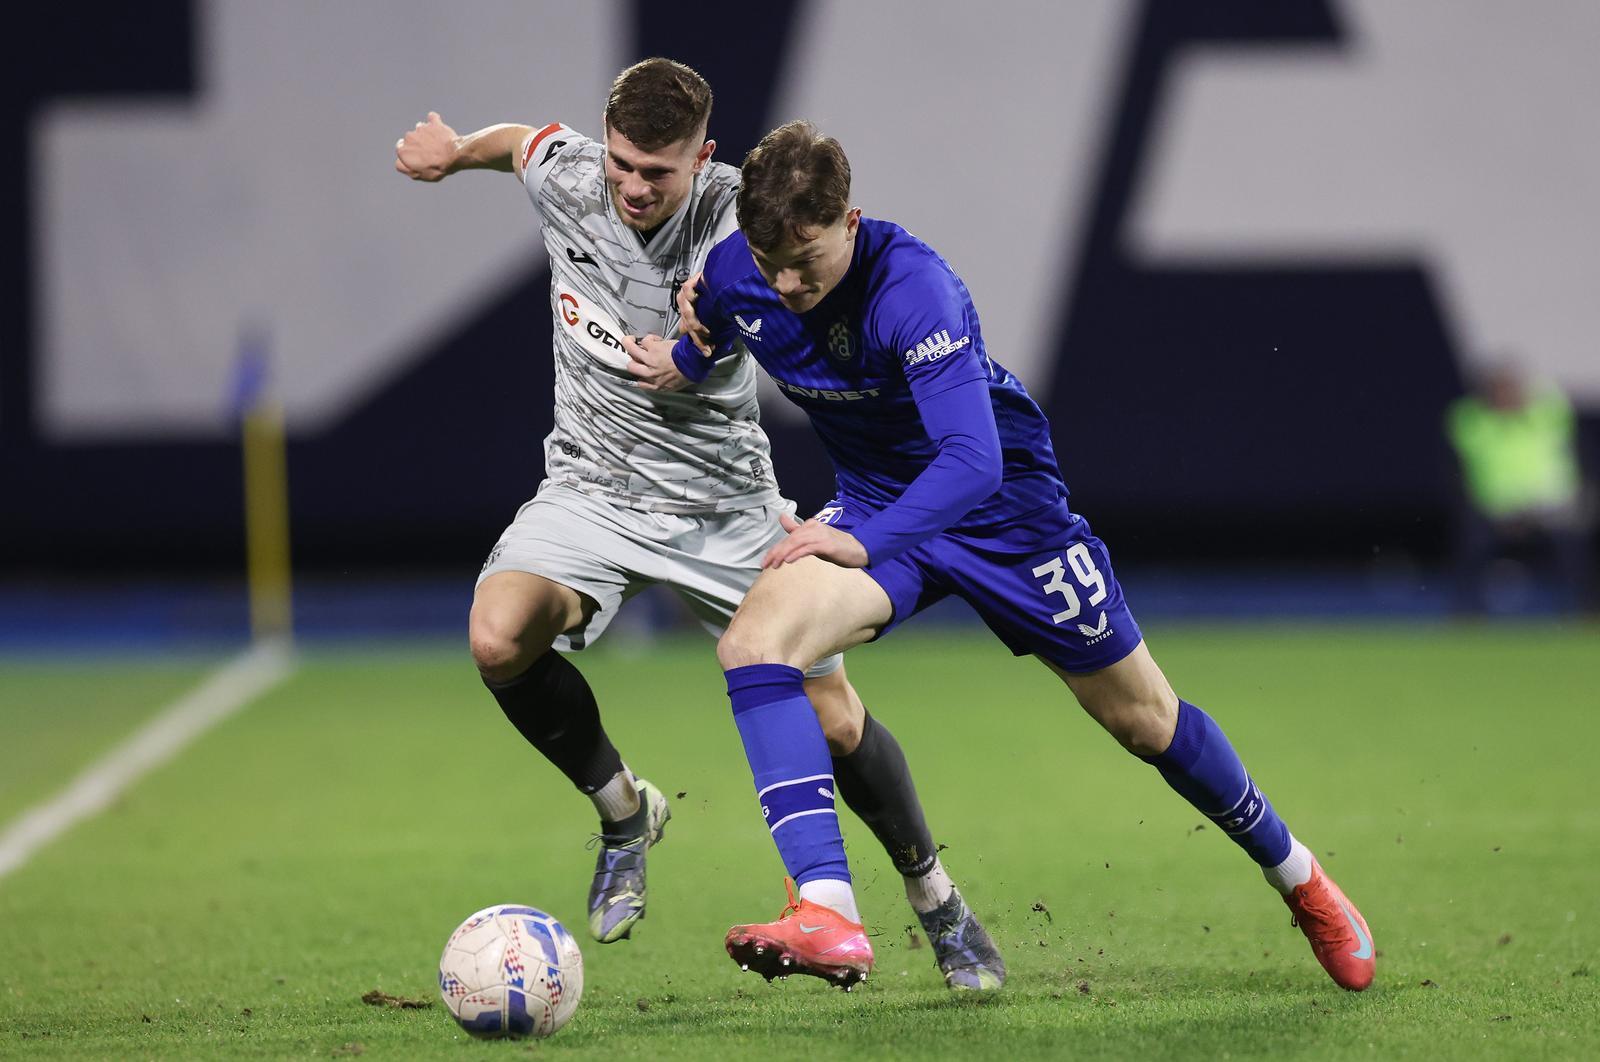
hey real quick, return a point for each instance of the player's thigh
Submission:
(803, 611)
(598, 549)
(1130, 698)
(712, 567)
(713, 564)
(526, 607)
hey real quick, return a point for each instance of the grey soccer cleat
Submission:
(967, 957)
(616, 896)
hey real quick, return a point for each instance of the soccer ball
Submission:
(510, 970)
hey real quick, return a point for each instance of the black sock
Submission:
(552, 706)
(876, 784)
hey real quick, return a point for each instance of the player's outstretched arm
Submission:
(432, 150)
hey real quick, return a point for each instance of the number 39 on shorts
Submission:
(1054, 574)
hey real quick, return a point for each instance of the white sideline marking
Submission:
(223, 693)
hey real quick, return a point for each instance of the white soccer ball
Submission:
(511, 970)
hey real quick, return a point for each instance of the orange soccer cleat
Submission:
(807, 938)
(1338, 934)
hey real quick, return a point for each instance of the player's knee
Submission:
(736, 649)
(839, 711)
(745, 643)
(1145, 727)
(500, 649)
(495, 654)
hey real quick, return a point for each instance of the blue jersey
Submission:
(926, 431)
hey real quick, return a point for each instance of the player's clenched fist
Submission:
(812, 538)
(428, 152)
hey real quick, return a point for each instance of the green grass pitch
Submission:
(240, 900)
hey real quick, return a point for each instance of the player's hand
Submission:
(688, 323)
(428, 151)
(650, 361)
(813, 538)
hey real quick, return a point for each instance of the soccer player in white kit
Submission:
(647, 486)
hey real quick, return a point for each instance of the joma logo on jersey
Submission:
(749, 328)
(935, 347)
(826, 394)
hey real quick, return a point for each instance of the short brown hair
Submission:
(658, 102)
(795, 179)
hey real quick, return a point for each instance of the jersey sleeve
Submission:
(925, 314)
(710, 309)
(539, 151)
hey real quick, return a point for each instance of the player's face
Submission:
(803, 269)
(648, 187)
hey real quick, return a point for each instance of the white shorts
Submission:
(609, 552)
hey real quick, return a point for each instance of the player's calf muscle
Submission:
(839, 710)
(1131, 699)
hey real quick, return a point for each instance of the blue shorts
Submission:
(1062, 603)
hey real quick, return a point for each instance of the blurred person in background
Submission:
(1523, 490)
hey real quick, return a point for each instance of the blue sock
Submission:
(793, 770)
(1202, 766)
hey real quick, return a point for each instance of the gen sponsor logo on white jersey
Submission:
(592, 330)
(935, 347)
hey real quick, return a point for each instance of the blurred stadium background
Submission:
(1245, 255)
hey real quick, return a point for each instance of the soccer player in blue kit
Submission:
(947, 484)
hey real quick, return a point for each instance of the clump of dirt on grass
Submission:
(379, 998)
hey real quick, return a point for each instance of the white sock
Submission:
(831, 892)
(1296, 870)
(930, 890)
(618, 798)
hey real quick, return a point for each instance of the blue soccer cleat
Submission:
(967, 957)
(616, 896)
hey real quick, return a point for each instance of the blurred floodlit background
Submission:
(1246, 257)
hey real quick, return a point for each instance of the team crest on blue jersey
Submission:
(840, 343)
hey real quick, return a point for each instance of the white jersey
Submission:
(697, 450)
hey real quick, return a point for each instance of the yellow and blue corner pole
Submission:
(266, 497)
